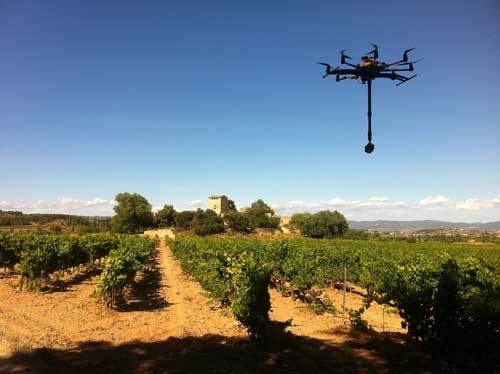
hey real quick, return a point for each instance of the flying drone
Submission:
(368, 70)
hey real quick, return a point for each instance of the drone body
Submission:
(368, 70)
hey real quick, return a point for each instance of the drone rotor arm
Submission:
(410, 62)
(391, 70)
(395, 63)
(345, 72)
(406, 80)
(391, 76)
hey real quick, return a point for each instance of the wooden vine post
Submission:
(345, 291)
(383, 318)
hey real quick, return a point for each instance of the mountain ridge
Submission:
(414, 225)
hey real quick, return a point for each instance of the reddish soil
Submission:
(170, 325)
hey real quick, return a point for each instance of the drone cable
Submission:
(369, 147)
(369, 111)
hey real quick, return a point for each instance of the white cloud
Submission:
(433, 207)
(195, 204)
(296, 203)
(434, 200)
(66, 205)
(379, 199)
(338, 203)
(477, 204)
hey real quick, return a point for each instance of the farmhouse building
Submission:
(285, 220)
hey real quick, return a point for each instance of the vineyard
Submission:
(448, 295)
(42, 257)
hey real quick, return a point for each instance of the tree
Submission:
(261, 215)
(325, 224)
(133, 213)
(299, 220)
(184, 220)
(237, 222)
(231, 205)
(165, 217)
(207, 222)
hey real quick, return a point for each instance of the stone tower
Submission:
(218, 203)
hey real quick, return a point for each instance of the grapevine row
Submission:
(121, 266)
(38, 256)
(234, 275)
(443, 291)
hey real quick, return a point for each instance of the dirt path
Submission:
(194, 314)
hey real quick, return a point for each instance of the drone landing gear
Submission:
(369, 148)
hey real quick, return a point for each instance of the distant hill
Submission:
(382, 225)
(16, 218)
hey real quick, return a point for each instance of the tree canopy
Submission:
(261, 215)
(325, 224)
(237, 222)
(133, 213)
(165, 217)
(231, 205)
(207, 222)
(184, 220)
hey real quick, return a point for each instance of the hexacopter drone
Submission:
(368, 70)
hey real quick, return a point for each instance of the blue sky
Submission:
(178, 100)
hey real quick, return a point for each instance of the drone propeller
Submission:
(405, 54)
(344, 55)
(374, 52)
(329, 70)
